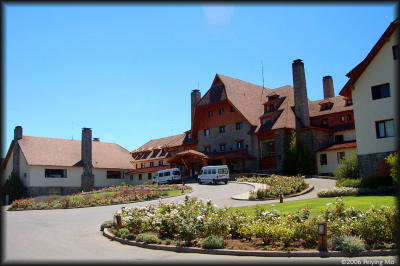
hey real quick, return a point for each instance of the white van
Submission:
(168, 176)
(213, 174)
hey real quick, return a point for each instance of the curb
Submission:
(310, 187)
(386, 252)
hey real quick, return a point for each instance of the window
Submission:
(131, 177)
(267, 121)
(55, 173)
(340, 156)
(270, 108)
(149, 176)
(140, 176)
(160, 163)
(222, 129)
(223, 171)
(115, 174)
(167, 173)
(207, 132)
(342, 118)
(395, 50)
(137, 166)
(222, 147)
(325, 121)
(221, 111)
(349, 102)
(209, 113)
(161, 174)
(239, 144)
(207, 148)
(326, 106)
(380, 91)
(151, 164)
(339, 139)
(213, 171)
(142, 165)
(239, 126)
(233, 109)
(349, 117)
(189, 136)
(323, 159)
(384, 129)
(176, 172)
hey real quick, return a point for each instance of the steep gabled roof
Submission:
(66, 152)
(339, 105)
(160, 143)
(356, 72)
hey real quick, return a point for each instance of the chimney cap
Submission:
(327, 77)
(297, 61)
(195, 90)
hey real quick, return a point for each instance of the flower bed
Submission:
(191, 222)
(285, 185)
(348, 191)
(101, 197)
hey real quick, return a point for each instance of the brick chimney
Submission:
(87, 180)
(16, 149)
(195, 99)
(300, 95)
(328, 87)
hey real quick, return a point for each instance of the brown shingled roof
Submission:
(66, 152)
(339, 105)
(346, 145)
(166, 142)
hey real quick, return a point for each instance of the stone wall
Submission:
(368, 162)
(281, 143)
(41, 191)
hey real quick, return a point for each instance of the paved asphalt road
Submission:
(72, 235)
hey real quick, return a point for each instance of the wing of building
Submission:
(373, 87)
(60, 166)
(246, 126)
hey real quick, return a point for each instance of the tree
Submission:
(348, 167)
(393, 160)
(298, 157)
(13, 187)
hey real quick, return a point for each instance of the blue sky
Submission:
(127, 71)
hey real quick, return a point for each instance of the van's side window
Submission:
(213, 171)
(161, 174)
(167, 173)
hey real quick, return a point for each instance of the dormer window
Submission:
(272, 96)
(267, 121)
(349, 102)
(326, 106)
(269, 108)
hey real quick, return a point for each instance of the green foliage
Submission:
(337, 191)
(298, 158)
(107, 224)
(373, 181)
(213, 242)
(393, 160)
(348, 168)
(14, 187)
(348, 182)
(168, 241)
(147, 238)
(348, 244)
(122, 184)
(123, 233)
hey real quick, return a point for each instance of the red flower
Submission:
(98, 199)
(116, 195)
(126, 191)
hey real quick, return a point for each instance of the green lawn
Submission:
(175, 192)
(318, 205)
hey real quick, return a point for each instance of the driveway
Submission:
(68, 235)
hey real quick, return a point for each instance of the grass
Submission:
(175, 192)
(318, 205)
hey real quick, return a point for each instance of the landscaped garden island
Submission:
(101, 197)
(352, 227)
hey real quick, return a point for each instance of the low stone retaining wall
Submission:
(316, 253)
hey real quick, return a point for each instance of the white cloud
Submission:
(217, 18)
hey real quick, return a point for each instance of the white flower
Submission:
(328, 204)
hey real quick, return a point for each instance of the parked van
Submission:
(168, 176)
(213, 174)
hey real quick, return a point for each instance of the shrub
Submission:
(123, 184)
(212, 242)
(14, 188)
(336, 192)
(151, 239)
(347, 182)
(140, 237)
(373, 181)
(393, 160)
(168, 241)
(348, 244)
(123, 233)
(348, 168)
(106, 224)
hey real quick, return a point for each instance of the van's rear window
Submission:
(176, 173)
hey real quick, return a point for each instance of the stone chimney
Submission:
(87, 180)
(328, 87)
(195, 99)
(16, 149)
(300, 94)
